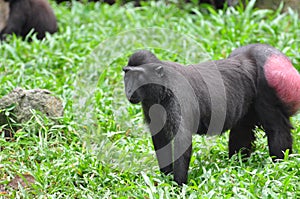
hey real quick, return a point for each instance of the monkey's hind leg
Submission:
(278, 129)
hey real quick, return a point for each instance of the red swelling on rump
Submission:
(285, 79)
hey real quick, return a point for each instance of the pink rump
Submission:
(285, 79)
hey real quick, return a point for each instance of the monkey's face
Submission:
(139, 82)
(132, 79)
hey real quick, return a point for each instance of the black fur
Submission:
(26, 15)
(249, 99)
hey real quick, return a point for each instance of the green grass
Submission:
(102, 149)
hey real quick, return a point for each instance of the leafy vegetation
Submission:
(109, 154)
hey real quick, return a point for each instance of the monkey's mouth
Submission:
(134, 99)
(132, 96)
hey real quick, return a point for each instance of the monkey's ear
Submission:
(159, 71)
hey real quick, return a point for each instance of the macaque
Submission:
(261, 89)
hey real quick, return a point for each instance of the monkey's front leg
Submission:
(182, 157)
(163, 148)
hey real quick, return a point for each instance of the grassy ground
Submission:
(100, 148)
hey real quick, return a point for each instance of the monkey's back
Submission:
(232, 86)
(226, 87)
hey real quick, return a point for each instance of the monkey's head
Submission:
(142, 73)
(142, 57)
(144, 83)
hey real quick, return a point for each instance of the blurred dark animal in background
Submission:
(22, 16)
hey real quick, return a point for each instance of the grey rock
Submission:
(274, 4)
(24, 101)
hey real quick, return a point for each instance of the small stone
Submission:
(24, 101)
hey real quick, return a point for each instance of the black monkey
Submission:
(25, 15)
(261, 88)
